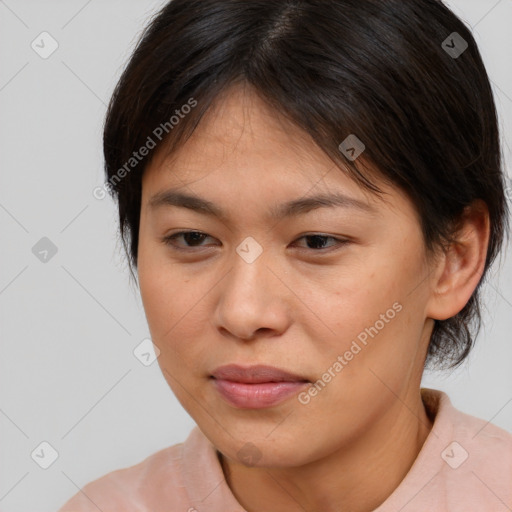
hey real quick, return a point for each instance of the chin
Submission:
(261, 447)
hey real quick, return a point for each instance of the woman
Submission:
(310, 194)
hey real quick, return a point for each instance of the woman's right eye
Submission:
(194, 238)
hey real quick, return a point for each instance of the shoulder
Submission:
(478, 432)
(488, 446)
(156, 480)
(476, 457)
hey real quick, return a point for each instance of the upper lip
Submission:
(255, 374)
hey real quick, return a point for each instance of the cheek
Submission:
(174, 317)
(170, 305)
(373, 313)
(163, 290)
(350, 301)
(176, 308)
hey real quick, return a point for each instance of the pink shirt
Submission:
(464, 465)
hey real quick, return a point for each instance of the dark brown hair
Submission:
(384, 70)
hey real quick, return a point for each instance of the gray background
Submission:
(68, 375)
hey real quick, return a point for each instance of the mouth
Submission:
(256, 387)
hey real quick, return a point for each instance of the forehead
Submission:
(241, 134)
(240, 128)
(246, 152)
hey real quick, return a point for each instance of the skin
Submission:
(296, 307)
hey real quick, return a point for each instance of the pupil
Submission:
(196, 237)
(317, 238)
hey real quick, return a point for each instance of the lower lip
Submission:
(256, 396)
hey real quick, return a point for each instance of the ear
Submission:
(459, 269)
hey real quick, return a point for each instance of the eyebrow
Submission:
(292, 208)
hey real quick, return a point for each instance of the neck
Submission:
(358, 477)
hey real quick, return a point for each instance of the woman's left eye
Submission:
(315, 242)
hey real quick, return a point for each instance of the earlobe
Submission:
(460, 269)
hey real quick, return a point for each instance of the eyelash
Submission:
(169, 241)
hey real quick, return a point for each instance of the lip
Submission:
(256, 387)
(255, 374)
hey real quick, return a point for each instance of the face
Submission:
(334, 293)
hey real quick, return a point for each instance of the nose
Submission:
(252, 300)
